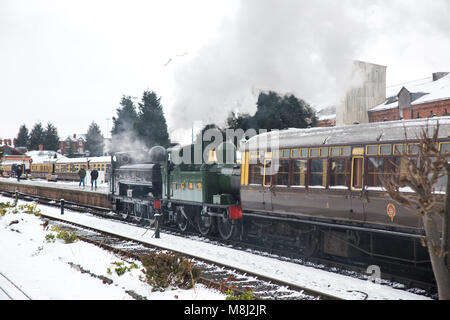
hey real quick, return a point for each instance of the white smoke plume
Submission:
(288, 46)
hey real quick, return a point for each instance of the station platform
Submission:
(69, 191)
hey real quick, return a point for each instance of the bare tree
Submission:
(422, 170)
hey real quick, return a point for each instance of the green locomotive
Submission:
(188, 190)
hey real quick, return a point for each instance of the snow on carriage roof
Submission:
(44, 156)
(84, 159)
(377, 132)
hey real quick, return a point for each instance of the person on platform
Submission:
(82, 175)
(94, 176)
(18, 172)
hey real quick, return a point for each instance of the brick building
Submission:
(73, 145)
(421, 99)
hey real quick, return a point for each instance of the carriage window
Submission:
(300, 167)
(413, 148)
(372, 150)
(324, 152)
(441, 185)
(255, 173)
(377, 170)
(282, 177)
(314, 152)
(340, 172)
(285, 154)
(347, 151)
(386, 149)
(399, 149)
(335, 152)
(304, 153)
(318, 172)
(295, 153)
(445, 148)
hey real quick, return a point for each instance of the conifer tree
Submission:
(94, 140)
(22, 137)
(36, 137)
(123, 131)
(151, 126)
(51, 138)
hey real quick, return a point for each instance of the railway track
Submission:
(11, 291)
(401, 282)
(214, 275)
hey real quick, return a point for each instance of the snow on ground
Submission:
(52, 270)
(43, 271)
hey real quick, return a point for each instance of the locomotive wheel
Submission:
(124, 215)
(206, 224)
(226, 226)
(182, 222)
(137, 216)
(124, 212)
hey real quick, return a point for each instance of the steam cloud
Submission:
(299, 47)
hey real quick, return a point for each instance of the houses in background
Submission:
(424, 98)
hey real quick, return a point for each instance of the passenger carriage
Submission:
(330, 180)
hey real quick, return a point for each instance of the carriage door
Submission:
(357, 173)
(357, 211)
(267, 183)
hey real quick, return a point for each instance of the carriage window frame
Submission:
(373, 172)
(371, 153)
(399, 152)
(321, 152)
(440, 147)
(302, 175)
(285, 154)
(341, 156)
(311, 150)
(339, 149)
(298, 151)
(408, 150)
(385, 154)
(276, 177)
(323, 173)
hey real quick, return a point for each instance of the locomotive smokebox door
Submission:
(130, 193)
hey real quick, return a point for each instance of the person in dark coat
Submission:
(18, 172)
(82, 175)
(94, 176)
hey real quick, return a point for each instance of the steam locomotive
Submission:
(318, 190)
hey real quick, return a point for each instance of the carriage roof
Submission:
(376, 133)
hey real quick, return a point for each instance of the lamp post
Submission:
(87, 153)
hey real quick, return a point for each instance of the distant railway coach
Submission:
(67, 168)
(9, 164)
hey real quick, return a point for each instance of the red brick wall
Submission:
(379, 116)
(439, 108)
(327, 123)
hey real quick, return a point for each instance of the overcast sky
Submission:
(70, 62)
